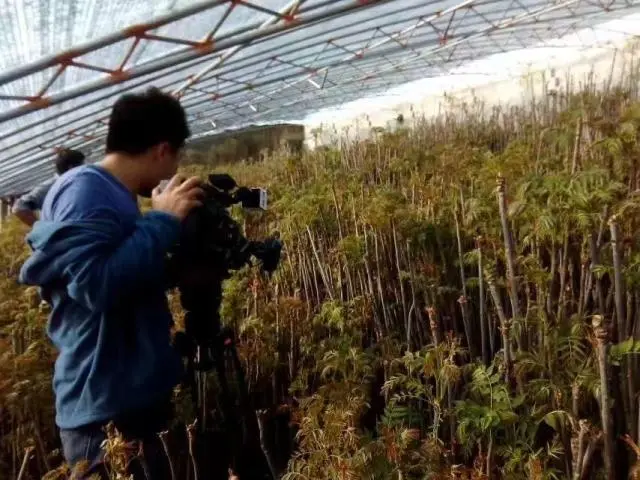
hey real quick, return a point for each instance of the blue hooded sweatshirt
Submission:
(100, 264)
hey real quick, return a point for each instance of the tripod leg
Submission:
(230, 420)
(261, 465)
(193, 387)
(202, 398)
(240, 433)
(245, 405)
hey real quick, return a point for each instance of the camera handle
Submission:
(208, 347)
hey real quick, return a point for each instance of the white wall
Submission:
(611, 67)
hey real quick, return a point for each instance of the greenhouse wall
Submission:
(614, 67)
(245, 143)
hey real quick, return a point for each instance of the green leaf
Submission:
(516, 208)
(558, 419)
(626, 347)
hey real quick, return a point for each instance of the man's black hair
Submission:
(139, 121)
(68, 159)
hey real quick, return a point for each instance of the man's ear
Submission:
(167, 149)
(160, 150)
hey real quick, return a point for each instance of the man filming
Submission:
(100, 263)
(26, 206)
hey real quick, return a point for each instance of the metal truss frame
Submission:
(292, 60)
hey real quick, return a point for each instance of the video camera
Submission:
(212, 240)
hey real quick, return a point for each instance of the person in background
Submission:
(26, 206)
(102, 266)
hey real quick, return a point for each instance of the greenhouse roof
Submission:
(236, 62)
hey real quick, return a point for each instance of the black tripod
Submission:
(207, 346)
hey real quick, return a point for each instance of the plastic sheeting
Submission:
(64, 62)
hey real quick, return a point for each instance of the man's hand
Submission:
(178, 197)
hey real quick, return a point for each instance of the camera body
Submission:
(211, 240)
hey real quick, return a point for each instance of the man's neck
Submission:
(125, 169)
